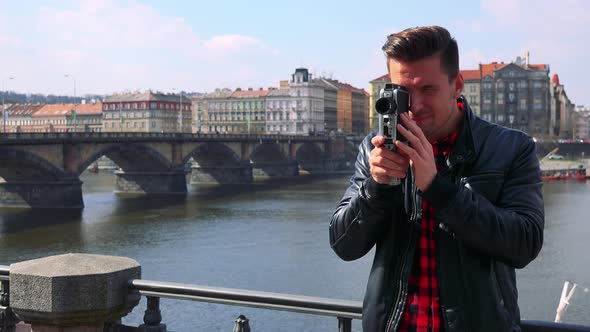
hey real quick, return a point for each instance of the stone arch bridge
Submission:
(43, 169)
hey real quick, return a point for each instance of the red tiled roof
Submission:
(64, 109)
(470, 74)
(538, 66)
(345, 86)
(249, 93)
(382, 78)
(22, 110)
(488, 68)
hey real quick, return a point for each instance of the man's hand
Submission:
(420, 152)
(386, 164)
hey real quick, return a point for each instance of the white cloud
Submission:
(229, 43)
(112, 45)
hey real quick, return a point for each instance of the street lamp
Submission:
(4, 115)
(74, 111)
(511, 119)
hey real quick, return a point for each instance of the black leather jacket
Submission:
(490, 217)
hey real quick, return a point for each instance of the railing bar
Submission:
(245, 295)
(331, 313)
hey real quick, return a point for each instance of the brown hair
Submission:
(421, 42)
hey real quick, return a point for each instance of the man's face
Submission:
(433, 99)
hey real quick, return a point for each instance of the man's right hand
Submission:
(386, 164)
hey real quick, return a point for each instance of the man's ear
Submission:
(458, 86)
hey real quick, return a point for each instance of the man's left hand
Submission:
(420, 152)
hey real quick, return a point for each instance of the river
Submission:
(269, 237)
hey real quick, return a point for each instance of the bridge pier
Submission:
(42, 194)
(276, 169)
(221, 174)
(165, 182)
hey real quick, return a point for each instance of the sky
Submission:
(107, 46)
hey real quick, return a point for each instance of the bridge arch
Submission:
(213, 154)
(218, 163)
(130, 157)
(310, 157)
(268, 152)
(23, 165)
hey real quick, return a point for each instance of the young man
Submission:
(468, 211)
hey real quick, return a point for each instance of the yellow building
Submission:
(375, 87)
(344, 110)
(471, 89)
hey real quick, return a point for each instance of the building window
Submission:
(500, 117)
(472, 88)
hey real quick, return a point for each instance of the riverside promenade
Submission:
(92, 293)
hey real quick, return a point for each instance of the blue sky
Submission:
(115, 45)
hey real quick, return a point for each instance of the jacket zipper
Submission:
(402, 294)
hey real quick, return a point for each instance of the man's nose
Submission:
(415, 103)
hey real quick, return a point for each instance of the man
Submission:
(468, 211)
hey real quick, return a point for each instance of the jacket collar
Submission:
(464, 150)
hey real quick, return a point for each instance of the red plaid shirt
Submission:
(422, 311)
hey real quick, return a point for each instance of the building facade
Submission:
(581, 121)
(517, 95)
(19, 118)
(330, 105)
(307, 102)
(147, 112)
(562, 110)
(296, 108)
(471, 89)
(352, 108)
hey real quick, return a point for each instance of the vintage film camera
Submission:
(393, 101)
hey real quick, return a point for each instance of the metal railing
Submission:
(345, 311)
(28, 137)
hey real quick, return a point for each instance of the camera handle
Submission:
(387, 129)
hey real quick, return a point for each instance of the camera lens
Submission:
(384, 106)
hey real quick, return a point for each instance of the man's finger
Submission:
(415, 141)
(378, 140)
(413, 154)
(413, 127)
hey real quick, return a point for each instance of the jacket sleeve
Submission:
(510, 231)
(365, 210)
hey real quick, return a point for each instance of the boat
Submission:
(575, 174)
(93, 168)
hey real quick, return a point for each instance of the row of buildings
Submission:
(133, 112)
(299, 106)
(516, 94)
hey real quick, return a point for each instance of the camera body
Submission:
(393, 100)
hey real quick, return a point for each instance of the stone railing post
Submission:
(73, 292)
